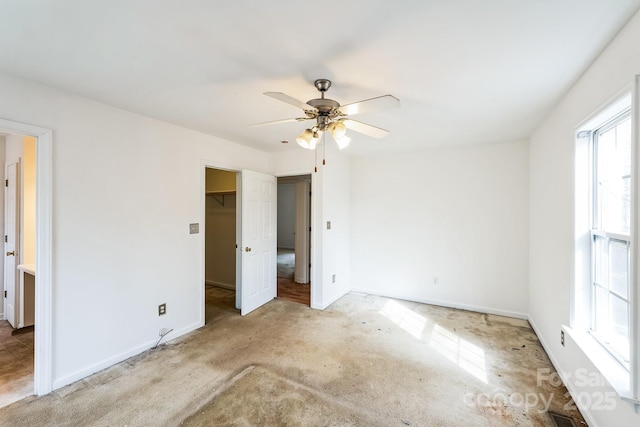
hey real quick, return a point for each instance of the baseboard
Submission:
(476, 308)
(331, 301)
(585, 414)
(97, 367)
(220, 284)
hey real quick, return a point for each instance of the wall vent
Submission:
(561, 420)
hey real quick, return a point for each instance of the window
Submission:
(605, 312)
(611, 236)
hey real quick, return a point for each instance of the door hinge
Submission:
(5, 238)
(5, 294)
(6, 182)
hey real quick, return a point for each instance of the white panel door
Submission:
(259, 240)
(11, 246)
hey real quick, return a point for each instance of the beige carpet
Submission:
(364, 361)
(270, 399)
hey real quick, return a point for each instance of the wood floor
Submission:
(291, 291)
(16, 363)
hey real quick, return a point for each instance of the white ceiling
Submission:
(466, 71)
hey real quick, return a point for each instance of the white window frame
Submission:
(626, 382)
(597, 232)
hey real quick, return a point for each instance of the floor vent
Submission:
(561, 420)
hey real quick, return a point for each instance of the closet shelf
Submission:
(221, 192)
(218, 195)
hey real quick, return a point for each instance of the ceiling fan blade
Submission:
(277, 122)
(374, 104)
(290, 100)
(364, 128)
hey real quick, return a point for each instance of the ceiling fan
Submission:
(330, 116)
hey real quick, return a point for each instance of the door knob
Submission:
(12, 253)
(247, 249)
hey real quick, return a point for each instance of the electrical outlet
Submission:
(333, 279)
(162, 309)
(328, 225)
(435, 280)
(194, 228)
(562, 338)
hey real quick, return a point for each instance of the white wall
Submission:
(459, 214)
(286, 215)
(551, 209)
(125, 189)
(336, 207)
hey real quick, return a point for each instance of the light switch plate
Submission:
(328, 225)
(194, 228)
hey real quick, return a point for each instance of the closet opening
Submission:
(220, 243)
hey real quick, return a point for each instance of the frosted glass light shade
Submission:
(338, 130)
(307, 139)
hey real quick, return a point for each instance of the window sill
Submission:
(612, 371)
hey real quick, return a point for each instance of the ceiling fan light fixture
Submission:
(338, 130)
(330, 116)
(307, 139)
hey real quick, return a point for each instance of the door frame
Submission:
(294, 180)
(314, 238)
(43, 336)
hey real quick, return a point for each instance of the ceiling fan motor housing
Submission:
(324, 105)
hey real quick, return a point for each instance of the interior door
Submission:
(259, 240)
(11, 246)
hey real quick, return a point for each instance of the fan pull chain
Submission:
(324, 147)
(315, 155)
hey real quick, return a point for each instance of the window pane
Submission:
(613, 172)
(618, 336)
(600, 264)
(619, 268)
(600, 310)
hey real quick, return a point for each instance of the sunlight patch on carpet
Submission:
(404, 317)
(468, 356)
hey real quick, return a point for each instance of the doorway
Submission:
(294, 238)
(220, 242)
(19, 266)
(255, 236)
